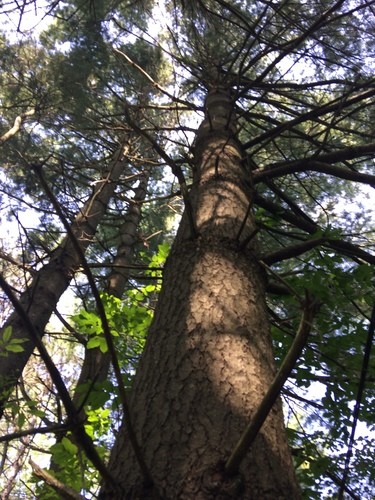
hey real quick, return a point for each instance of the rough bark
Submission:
(51, 281)
(208, 359)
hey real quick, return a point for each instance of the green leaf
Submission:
(14, 348)
(93, 343)
(69, 446)
(7, 333)
(103, 346)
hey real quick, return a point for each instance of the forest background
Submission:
(101, 107)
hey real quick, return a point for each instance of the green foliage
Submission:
(75, 470)
(127, 319)
(9, 344)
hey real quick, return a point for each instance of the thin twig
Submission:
(357, 406)
(77, 426)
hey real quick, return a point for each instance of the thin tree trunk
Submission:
(208, 360)
(51, 281)
(119, 276)
(96, 363)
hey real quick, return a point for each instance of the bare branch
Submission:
(341, 246)
(292, 251)
(322, 163)
(310, 309)
(16, 126)
(77, 426)
(62, 489)
(313, 114)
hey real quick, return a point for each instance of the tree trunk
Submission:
(96, 363)
(51, 281)
(208, 359)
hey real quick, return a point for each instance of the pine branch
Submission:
(310, 115)
(271, 171)
(292, 251)
(341, 246)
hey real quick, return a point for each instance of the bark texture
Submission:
(208, 359)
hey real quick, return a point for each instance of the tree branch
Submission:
(16, 126)
(176, 170)
(357, 406)
(292, 251)
(315, 165)
(106, 329)
(62, 489)
(32, 431)
(311, 307)
(77, 426)
(341, 246)
(309, 115)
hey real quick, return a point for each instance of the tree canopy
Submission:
(101, 108)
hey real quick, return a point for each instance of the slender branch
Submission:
(311, 307)
(16, 126)
(293, 395)
(73, 418)
(292, 251)
(272, 172)
(313, 114)
(357, 406)
(282, 195)
(150, 79)
(349, 153)
(176, 170)
(341, 246)
(32, 431)
(338, 481)
(281, 280)
(62, 489)
(292, 44)
(14, 262)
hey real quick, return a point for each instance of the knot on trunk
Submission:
(217, 485)
(219, 113)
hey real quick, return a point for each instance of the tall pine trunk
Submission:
(208, 359)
